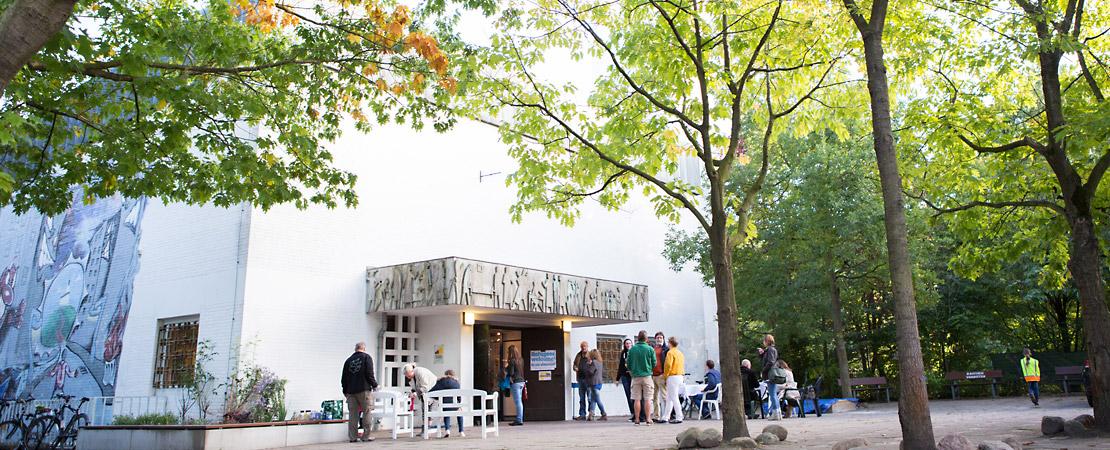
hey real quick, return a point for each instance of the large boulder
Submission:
(1086, 419)
(848, 444)
(955, 442)
(777, 430)
(994, 445)
(709, 438)
(1052, 425)
(767, 438)
(1076, 429)
(842, 406)
(1013, 443)
(743, 442)
(688, 438)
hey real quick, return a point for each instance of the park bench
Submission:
(865, 384)
(452, 403)
(1069, 375)
(396, 407)
(978, 378)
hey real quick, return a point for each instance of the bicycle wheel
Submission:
(42, 432)
(67, 439)
(12, 432)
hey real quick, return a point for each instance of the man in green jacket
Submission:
(641, 361)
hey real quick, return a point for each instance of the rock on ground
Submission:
(777, 430)
(848, 444)
(709, 438)
(955, 442)
(688, 438)
(767, 438)
(1086, 419)
(743, 442)
(994, 445)
(842, 406)
(1051, 425)
(1076, 429)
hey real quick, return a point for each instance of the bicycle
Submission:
(14, 430)
(48, 428)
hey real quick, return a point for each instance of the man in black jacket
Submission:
(750, 381)
(357, 382)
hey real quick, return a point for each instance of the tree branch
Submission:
(1023, 142)
(982, 204)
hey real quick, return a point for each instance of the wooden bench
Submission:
(396, 407)
(977, 378)
(869, 384)
(451, 403)
(1068, 375)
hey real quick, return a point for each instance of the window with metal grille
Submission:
(177, 352)
(610, 349)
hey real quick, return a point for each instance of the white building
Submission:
(289, 288)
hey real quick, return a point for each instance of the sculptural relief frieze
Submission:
(456, 281)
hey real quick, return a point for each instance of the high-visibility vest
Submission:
(1031, 369)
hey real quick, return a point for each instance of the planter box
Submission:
(246, 436)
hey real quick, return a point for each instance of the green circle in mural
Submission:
(57, 327)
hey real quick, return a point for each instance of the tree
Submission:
(222, 104)
(913, 398)
(681, 79)
(1047, 146)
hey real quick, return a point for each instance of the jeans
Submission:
(518, 389)
(1035, 391)
(447, 424)
(626, 381)
(772, 397)
(583, 398)
(595, 399)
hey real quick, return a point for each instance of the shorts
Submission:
(642, 388)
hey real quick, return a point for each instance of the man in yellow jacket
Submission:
(673, 369)
(1031, 370)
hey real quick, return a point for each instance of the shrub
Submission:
(147, 419)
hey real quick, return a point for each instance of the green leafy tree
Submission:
(681, 79)
(1018, 133)
(220, 102)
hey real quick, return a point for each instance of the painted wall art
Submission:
(66, 283)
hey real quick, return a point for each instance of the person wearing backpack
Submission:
(770, 356)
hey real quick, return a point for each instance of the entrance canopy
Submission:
(502, 291)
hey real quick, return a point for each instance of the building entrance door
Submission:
(546, 399)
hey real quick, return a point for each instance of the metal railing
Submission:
(103, 410)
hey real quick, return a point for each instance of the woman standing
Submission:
(1031, 370)
(597, 368)
(625, 376)
(514, 371)
(770, 356)
(673, 369)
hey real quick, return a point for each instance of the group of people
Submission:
(774, 382)
(653, 375)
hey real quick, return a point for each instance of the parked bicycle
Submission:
(54, 430)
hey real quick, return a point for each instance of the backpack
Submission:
(777, 375)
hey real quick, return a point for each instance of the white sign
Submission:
(542, 360)
(545, 376)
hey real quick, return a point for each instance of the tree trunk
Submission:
(25, 26)
(913, 397)
(732, 391)
(838, 330)
(1086, 269)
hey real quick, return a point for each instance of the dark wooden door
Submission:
(546, 399)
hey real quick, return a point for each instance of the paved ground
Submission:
(977, 419)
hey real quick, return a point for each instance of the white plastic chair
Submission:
(714, 404)
(395, 406)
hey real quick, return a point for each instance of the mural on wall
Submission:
(66, 285)
(457, 281)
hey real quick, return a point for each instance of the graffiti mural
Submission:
(457, 281)
(66, 285)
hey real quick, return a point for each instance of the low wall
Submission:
(212, 437)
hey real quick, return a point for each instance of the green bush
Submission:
(147, 419)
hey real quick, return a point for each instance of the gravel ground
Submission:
(978, 420)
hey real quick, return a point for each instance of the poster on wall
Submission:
(439, 354)
(545, 375)
(542, 360)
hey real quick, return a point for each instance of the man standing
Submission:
(673, 370)
(583, 390)
(1031, 370)
(641, 361)
(357, 382)
(659, 382)
(422, 380)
